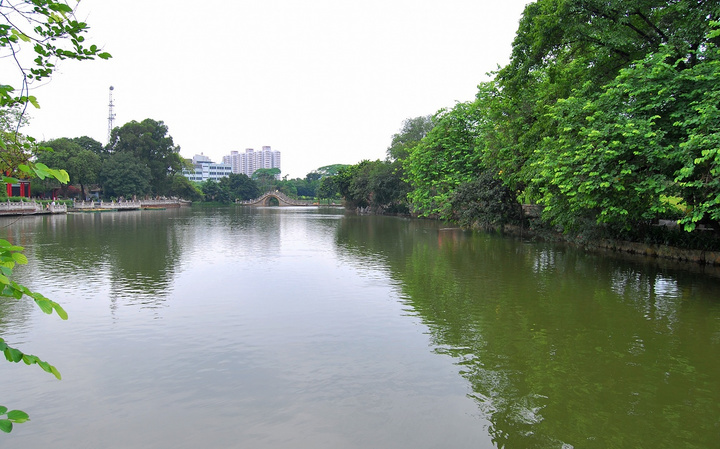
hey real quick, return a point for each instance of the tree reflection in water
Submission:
(561, 347)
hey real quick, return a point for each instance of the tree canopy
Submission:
(606, 115)
(124, 175)
(82, 164)
(413, 130)
(151, 145)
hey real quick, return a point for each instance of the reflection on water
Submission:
(273, 328)
(562, 348)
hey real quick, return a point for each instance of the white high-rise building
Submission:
(234, 161)
(251, 160)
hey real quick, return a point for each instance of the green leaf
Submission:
(60, 311)
(18, 416)
(55, 372)
(33, 101)
(5, 425)
(60, 7)
(3, 410)
(44, 304)
(20, 258)
(45, 366)
(13, 355)
(20, 35)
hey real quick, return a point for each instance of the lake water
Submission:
(308, 328)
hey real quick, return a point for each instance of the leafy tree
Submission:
(90, 144)
(573, 48)
(181, 187)
(16, 150)
(444, 159)
(352, 184)
(610, 161)
(591, 117)
(389, 188)
(124, 175)
(215, 191)
(375, 184)
(699, 178)
(84, 169)
(329, 170)
(289, 188)
(328, 188)
(82, 165)
(239, 186)
(411, 133)
(485, 202)
(266, 178)
(616, 156)
(148, 141)
(306, 187)
(16, 147)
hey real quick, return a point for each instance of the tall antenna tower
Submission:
(111, 115)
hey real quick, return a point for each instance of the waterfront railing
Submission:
(30, 207)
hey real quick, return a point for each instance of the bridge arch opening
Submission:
(273, 201)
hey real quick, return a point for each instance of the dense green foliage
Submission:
(443, 160)
(16, 150)
(236, 187)
(606, 115)
(372, 185)
(266, 178)
(124, 175)
(83, 165)
(485, 202)
(598, 105)
(181, 187)
(149, 143)
(413, 130)
(317, 184)
(141, 160)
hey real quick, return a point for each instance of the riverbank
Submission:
(655, 250)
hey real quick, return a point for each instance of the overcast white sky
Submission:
(322, 81)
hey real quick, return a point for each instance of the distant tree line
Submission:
(141, 160)
(238, 187)
(606, 116)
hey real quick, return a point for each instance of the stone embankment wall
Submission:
(697, 256)
(662, 251)
(650, 250)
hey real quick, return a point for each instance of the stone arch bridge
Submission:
(282, 199)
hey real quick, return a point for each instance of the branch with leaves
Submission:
(54, 33)
(49, 29)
